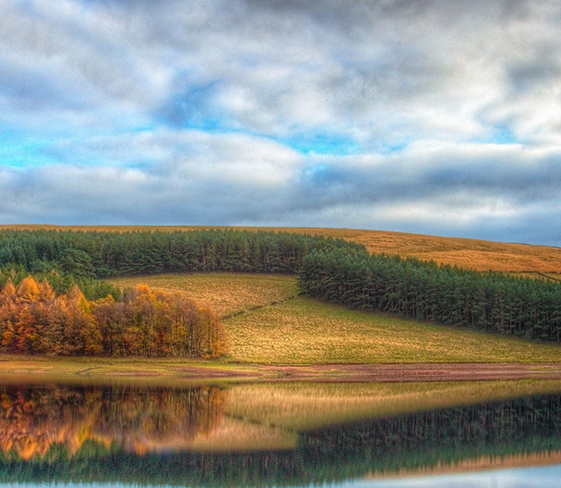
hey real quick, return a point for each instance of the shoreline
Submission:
(14, 369)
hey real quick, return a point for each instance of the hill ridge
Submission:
(463, 252)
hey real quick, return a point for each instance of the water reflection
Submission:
(39, 423)
(157, 436)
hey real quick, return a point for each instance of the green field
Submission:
(267, 323)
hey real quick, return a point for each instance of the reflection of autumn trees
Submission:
(33, 319)
(35, 422)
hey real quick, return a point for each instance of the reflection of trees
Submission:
(136, 436)
(37, 422)
(149, 420)
(442, 437)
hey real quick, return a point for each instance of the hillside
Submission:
(465, 253)
(267, 324)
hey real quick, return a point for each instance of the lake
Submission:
(438, 434)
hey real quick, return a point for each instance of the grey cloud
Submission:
(529, 74)
(31, 91)
(513, 200)
(279, 65)
(455, 178)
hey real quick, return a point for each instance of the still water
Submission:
(503, 434)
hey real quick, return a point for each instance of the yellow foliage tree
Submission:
(28, 290)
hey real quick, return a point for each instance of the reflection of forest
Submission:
(37, 422)
(523, 428)
(146, 436)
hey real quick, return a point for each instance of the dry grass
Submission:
(21, 368)
(304, 331)
(226, 293)
(466, 253)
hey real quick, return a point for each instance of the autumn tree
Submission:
(33, 319)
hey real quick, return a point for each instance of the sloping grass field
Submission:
(305, 331)
(226, 293)
(267, 323)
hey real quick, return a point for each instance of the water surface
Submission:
(281, 434)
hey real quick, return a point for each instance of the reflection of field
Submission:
(242, 418)
(243, 435)
(304, 406)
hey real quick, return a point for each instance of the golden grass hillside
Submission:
(466, 253)
(266, 323)
(225, 293)
(305, 331)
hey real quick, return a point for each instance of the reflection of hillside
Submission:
(483, 463)
(182, 437)
(34, 420)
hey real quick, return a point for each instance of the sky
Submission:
(425, 116)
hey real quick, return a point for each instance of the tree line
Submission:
(109, 254)
(61, 283)
(63, 308)
(443, 294)
(35, 320)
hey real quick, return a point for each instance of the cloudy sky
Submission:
(428, 116)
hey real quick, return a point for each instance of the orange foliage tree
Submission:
(147, 323)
